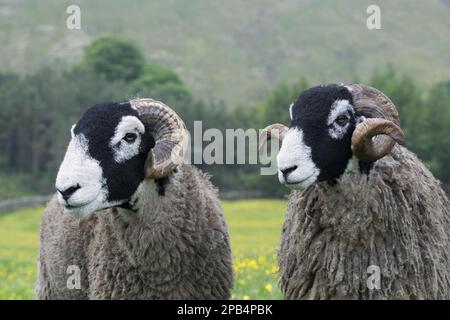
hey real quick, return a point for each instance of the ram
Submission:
(132, 220)
(365, 219)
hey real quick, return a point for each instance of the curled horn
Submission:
(277, 131)
(170, 135)
(377, 134)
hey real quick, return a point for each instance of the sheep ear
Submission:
(72, 134)
(290, 110)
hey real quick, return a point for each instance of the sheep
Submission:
(131, 219)
(365, 219)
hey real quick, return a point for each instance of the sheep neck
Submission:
(351, 187)
(342, 204)
(144, 232)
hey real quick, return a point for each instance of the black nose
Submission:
(66, 194)
(286, 171)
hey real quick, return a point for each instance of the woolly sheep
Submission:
(152, 226)
(361, 203)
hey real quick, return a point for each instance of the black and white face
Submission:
(105, 160)
(317, 146)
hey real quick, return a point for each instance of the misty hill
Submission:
(238, 50)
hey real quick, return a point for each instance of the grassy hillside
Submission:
(255, 227)
(237, 50)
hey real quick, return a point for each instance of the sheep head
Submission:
(329, 125)
(114, 147)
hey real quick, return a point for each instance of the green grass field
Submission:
(255, 227)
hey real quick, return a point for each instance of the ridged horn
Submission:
(377, 134)
(277, 131)
(170, 134)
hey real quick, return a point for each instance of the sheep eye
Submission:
(130, 137)
(342, 120)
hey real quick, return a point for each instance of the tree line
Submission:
(38, 110)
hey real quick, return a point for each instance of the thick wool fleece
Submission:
(175, 246)
(397, 218)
